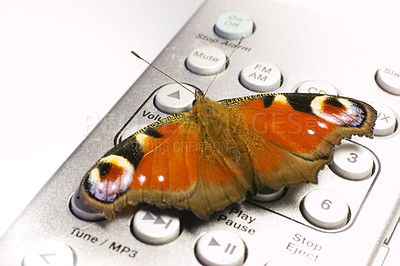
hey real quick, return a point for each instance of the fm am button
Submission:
(261, 77)
(173, 98)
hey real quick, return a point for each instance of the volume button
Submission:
(172, 98)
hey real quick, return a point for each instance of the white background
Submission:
(63, 64)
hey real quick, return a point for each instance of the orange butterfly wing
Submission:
(291, 136)
(207, 158)
(156, 166)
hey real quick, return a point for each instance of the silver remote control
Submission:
(348, 218)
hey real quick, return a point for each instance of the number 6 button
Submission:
(325, 209)
(352, 161)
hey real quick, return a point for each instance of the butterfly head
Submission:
(199, 95)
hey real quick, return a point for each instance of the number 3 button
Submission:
(325, 209)
(352, 161)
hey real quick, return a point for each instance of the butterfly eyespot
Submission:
(339, 111)
(211, 156)
(334, 102)
(111, 177)
(104, 169)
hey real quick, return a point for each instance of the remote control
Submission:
(348, 218)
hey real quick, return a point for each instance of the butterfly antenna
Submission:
(224, 65)
(159, 70)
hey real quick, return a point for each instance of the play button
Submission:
(172, 98)
(175, 95)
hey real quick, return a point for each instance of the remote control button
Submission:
(267, 194)
(206, 60)
(172, 98)
(317, 86)
(219, 248)
(51, 253)
(325, 209)
(388, 78)
(386, 120)
(82, 211)
(129, 131)
(154, 226)
(233, 26)
(352, 161)
(261, 77)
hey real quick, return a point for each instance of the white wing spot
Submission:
(160, 178)
(311, 132)
(322, 125)
(142, 138)
(142, 179)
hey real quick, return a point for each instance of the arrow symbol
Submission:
(43, 256)
(175, 95)
(159, 220)
(213, 242)
(148, 216)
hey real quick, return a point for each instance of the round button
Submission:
(51, 253)
(131, 129)
(220, 247)
(325, 209)
(386, 120)
(388, 78)
(206, 60)
(172, 98)
(317, 86)
(267, 194)
(352, 161)
(261, 77)
(154, 226)
(82, 211)
(233, 26)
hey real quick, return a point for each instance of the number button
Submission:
(219, 248)
(154, 226)
(325, 209)
(386, 120)
(352, 161)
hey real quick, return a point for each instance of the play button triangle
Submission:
(213, 242)
(175, 95)
(148, 216)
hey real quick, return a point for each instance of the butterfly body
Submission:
(211, 156)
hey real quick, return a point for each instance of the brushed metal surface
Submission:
(305, 46)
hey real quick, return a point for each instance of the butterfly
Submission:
(211, 156)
